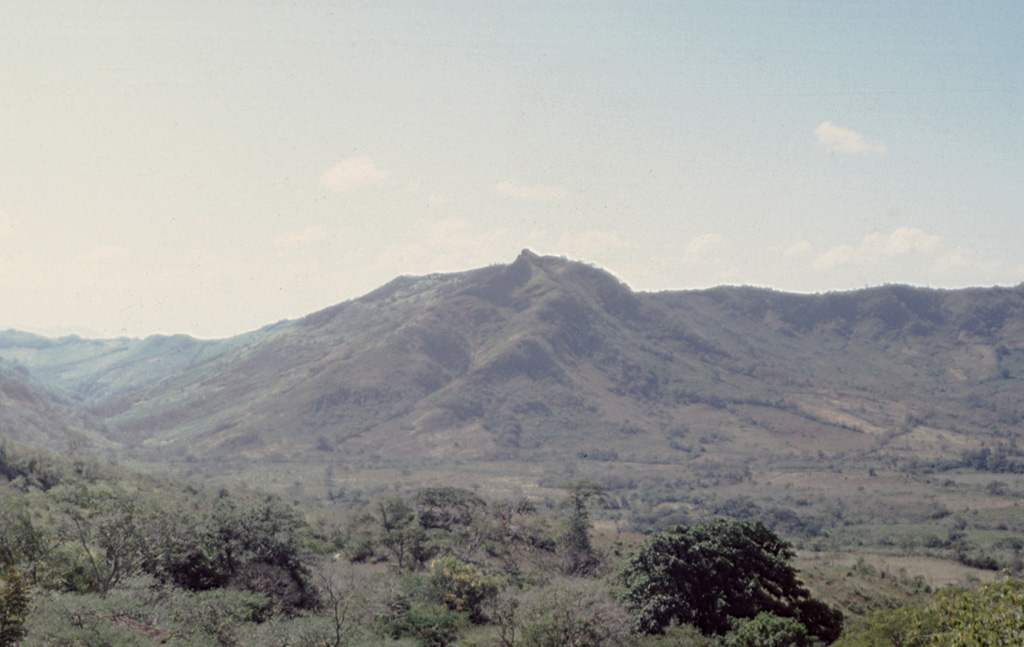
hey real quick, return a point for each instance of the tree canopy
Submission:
(712, 572)
(990, 616)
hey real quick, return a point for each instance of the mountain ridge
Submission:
(558, 366)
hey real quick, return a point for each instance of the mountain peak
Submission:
(527, 255)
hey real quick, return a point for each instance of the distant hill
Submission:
(517, 378)
(509, 360)
(31, 413)
(90, 370)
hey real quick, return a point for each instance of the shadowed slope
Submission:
(30, 413)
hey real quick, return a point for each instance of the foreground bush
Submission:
(568, 611)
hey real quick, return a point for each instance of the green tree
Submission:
(429, 625)
(676, 636)
(581, 558)
(20, 540)
(461, 587)
(233, 542)
(768, 630)
(887, 628)
(400, 533)
(446, 507)
(710, 572)
(14, 602)
(989, 616)
(113, 529)
(455, 520)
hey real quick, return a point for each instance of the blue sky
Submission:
(209, 168)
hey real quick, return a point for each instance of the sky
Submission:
(213, 167)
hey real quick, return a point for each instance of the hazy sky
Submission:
(210, 167)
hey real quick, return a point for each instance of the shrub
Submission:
(571, 611)
(461, 587)
(768, 630)
(14, 603)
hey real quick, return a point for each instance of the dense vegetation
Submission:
(97, 555)
(990, 616)
(94, 554)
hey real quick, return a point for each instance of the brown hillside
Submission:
(548, 358)
(886, 417)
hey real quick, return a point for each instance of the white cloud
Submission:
(876, 246)
(836, 139)
(902, 241)
(445, 245)
(835, 257)
(797, 249)
(702, 246)
(957, 258)
(531, 192)
(354, 173)
(302, 237)
(962, 261)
